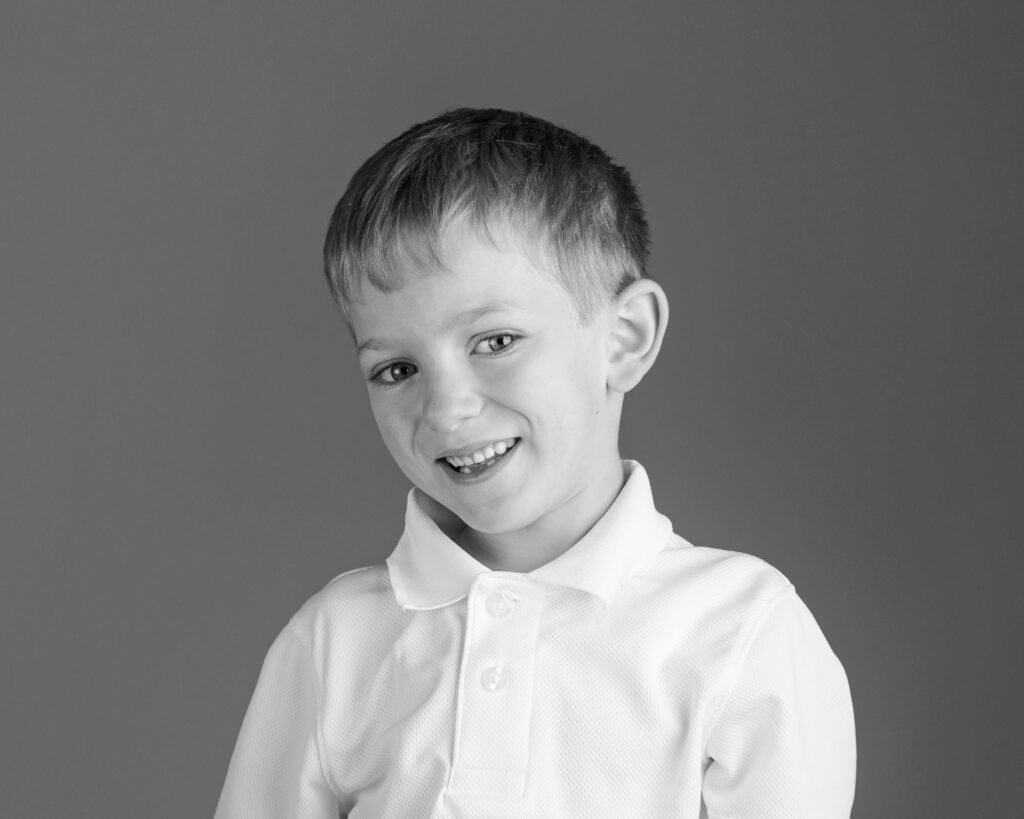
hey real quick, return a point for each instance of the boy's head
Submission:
(506, 314)
(491, 170)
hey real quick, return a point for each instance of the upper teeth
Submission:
(487, 453)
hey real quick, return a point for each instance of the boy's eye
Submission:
(496, 344)
(393, 373)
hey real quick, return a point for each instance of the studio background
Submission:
(835, 195)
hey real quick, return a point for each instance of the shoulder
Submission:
(338, 637)
(350, 602)
(719, 575)
(712, 597)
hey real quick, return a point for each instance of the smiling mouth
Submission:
(476, 462)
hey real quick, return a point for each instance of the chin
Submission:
(493, 519)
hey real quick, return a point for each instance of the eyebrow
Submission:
(460, 319)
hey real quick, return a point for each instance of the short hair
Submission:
(493, 168)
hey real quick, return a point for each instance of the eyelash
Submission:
(376, 377)
(513, 340)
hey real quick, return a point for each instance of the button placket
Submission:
(497, 686)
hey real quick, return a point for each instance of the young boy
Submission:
(539, 644)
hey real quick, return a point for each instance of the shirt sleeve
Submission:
(275, 769)
(784, 743)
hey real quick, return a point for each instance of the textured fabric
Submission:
(634, 676)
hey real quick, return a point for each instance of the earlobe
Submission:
(639, 327)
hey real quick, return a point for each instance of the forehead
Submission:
(479, 276)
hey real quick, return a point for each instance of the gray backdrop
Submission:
(836, 201)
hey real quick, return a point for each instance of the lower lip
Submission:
(477, 477)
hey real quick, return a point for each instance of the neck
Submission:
(527, 549)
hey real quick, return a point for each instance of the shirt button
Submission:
(495, 678)
(500, 604)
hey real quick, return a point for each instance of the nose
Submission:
(451, 398)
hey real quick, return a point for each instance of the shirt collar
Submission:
(429, 570)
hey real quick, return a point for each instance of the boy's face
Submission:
(489, 394)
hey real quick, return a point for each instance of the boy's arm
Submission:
(275, 770)
(783, 744)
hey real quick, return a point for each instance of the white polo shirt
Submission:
(634, 676)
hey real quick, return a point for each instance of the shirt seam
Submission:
(317, 736)
(459, 693)
(354, 571)
(741, 657)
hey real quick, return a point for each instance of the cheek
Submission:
(559, 392)
(581, 374)
(391, 421)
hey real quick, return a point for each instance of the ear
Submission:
(641, 316)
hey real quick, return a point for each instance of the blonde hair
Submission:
(488, 168)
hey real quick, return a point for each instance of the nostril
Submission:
(450, 397)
